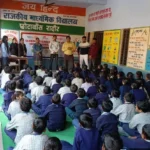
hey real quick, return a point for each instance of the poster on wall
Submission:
(11, 34)
(29, 39)
(137, 49)
(111, 44)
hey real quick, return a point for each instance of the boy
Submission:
(107, 122)
(37, 91)
(35, 140)
(77, 80)
(48, 79)
(139, 120)
(21, 124)
(79, 105)
(57, 85)
(66, 89)
(139, 143)
(55, 115)
(43, 102)
(69, 97)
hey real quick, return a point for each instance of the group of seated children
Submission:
(109, 110)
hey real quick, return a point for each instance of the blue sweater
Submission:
(55, 116)
(92, 91)
(27, 78)
(147, 86)
(43, 102)
(68, 98)
(86, 139)
(100, 97)
(123, 90)
(56, 88)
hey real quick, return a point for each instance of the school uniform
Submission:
(43, 102)
(111, 85)
(136, 144)
(92, 91)
(78, 82)
(32, 86)
(85, 74)
(22, 123)
(119, 82)
(107, 123)
(100, 97)
(6, 86)
(64, 90)
(123, 90)
(27, 79)
(36, 93)
(86, 139)
(102, 80)
(42, 73)
(56, 117)
(4, 79)
(32, 141)
(86, 86)
(52, 83)
(116, 103)
(56, 88)
(63, 75)
(47, 81)
(14, 108)
(68, 98)
(92, 76)
(70, 76)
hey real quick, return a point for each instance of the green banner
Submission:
(39, 27)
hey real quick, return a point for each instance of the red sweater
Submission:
(93, 52)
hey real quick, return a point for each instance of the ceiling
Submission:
(75, 3)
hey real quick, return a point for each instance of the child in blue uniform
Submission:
(43, 102)
(55, 115)
(139, 143)
(57, 85)
(107, 122)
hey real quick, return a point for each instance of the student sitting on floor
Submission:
(25, 66)
(43, 102)
(66, 89)
(37, 91)
(120, 77)
(139, 120)
(35, 140)
(139, 143)
(69, 97)
(7, 96)
(14, 107)
(21, 124)
(102, 95)
(115, 99)
(112, 142)
(48, 79)
(57, 85)
(107, 122)
(55, 115)
(33, 84)
(77, 107)
(87, 84)
(130, 77)
(19, 86)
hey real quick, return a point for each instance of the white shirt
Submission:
(116, 103)
(52, 83)
(126, 112)
(64, 90)
(32, 85)
(139, 120)
(36, 93)
(21, 71)
(4, 79)
(47, 80)
(23, 123)
(42, 73)
(54, 47)
(32, 142)
(86, 86)
(38, 72)
(78, 82)
(14, 108)
(84, 45)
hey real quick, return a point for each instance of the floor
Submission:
(67, 135)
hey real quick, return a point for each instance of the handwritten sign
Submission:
(137, 50)
(111, 43)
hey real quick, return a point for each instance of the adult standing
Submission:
(14, 47)
(93, 53)
(54, 48)
(5, 51)
(37, 50)
(22, 50)
(68, 48)
(83, 50)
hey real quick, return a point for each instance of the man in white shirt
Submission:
(54, 48)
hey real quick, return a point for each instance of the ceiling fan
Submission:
(48, 4)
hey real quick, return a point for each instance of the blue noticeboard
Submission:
(147, 67)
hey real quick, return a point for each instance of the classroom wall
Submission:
(118, 14)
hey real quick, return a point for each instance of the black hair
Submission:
(11, 86)
(47, 90)
(39, 125)
(128, 97)
(139, 74)
(54, 35)
(77, 75)
(148, 76)
(115, 93)
(73, 88)
(112, 141)
(83, 37)
(19, 84)
(143, 105)
(58, 79)
(25, 105)
(17, 94)
(56, 99)
(130, 75)
(39, 80)
(68, 82)
(68, 37)
(81, 93)
(25, 66)
(7, 69)
(125, 81)
(11, 76)
(53, 143)
(50, 74)
(121, 74)
(107, 105)
(32, 72)
(88, 80)
(135, 85)
(37, 38)
(146, 131)
(102, 88)
(92, 103)
(86, 120)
